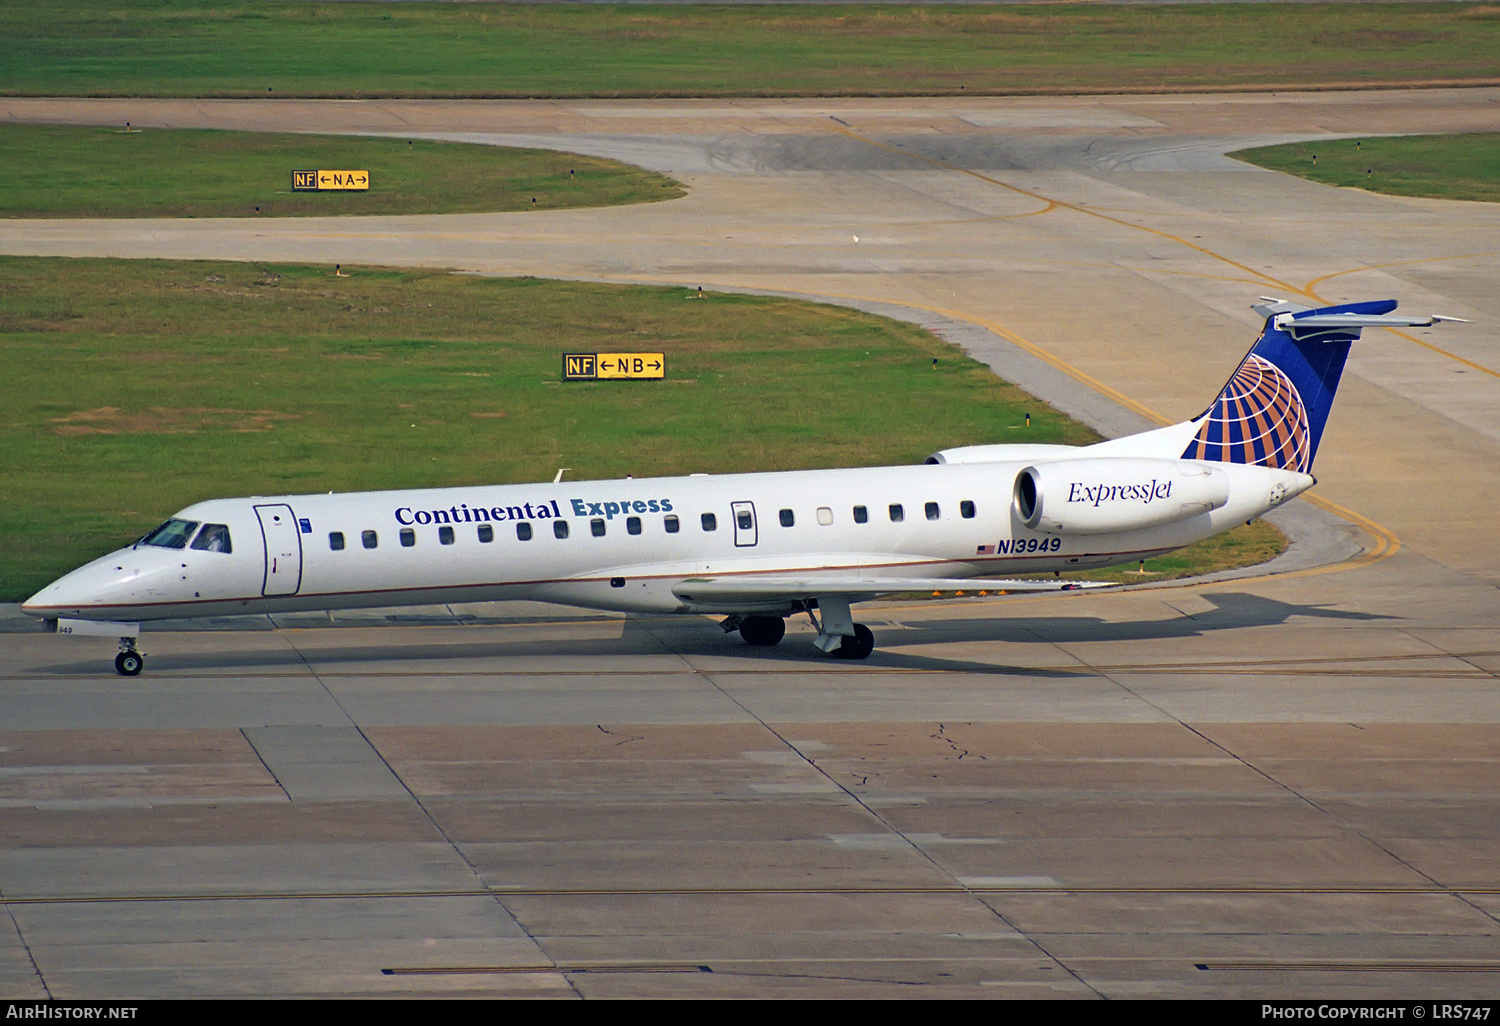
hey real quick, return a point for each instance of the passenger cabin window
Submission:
(369, 538)
(861, 515)
(825, 516)
(486, 533)
(523, 532)
(932, 511)
(174, 534)
(408, 537)
(559, 528)
(336, 540)
(710, 522)
(966, 508)
(897, 513)
(632, 525)
(745, 521)
(788, 518)
(213, 538)
(445, 534)
(597, 526)
(672, 525)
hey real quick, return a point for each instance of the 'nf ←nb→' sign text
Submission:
(600, 366)
(329, 181)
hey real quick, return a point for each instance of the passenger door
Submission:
(283, 550)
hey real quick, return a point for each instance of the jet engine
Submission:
(1105, 495)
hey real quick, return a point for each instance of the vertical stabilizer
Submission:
(1273, 410)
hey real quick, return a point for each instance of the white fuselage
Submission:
(958, 520)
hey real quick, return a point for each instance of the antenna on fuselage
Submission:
(560, 472)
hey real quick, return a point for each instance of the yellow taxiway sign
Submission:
(613, 366)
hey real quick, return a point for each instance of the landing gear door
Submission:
(283, 550)
(745, 532)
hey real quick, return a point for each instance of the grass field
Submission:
(57, 171)
(1244, 546)
(1460, 167)
(134, 388)
(269, 48)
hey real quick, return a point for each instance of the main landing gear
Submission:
(129, 663)
(764, 631)
(857, 647)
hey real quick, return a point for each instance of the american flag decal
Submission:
(986, 550)
(1259, 419)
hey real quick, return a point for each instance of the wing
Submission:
(763, 588)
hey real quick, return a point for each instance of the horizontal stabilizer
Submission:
(1293, 323)
(704, 590)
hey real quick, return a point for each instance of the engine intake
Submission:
(1102, 496)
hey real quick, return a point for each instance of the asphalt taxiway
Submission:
(1283, 784)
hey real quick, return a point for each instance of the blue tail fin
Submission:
(1271, 413)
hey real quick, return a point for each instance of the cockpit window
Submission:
(215, 538)
(174, 534)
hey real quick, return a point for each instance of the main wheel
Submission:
(859, 646)
(763, 631)
(129, 664)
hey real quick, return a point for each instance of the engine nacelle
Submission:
(1105, 495)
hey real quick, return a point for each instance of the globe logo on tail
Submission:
(1258, 419)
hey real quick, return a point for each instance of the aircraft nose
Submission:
(73, 594)
(61, 596)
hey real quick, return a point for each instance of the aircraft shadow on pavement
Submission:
(1233, 610)
(693, 637)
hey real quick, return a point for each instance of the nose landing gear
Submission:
(129, 663)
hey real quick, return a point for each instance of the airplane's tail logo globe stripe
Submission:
(1258, 419)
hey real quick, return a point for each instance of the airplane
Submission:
(754, 548)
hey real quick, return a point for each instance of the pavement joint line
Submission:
(41, 977)
(1352, 967)
(1434, 890)
(570, 967)
(265, 765)
(703, 967)
(680, 966)
(1436, 653)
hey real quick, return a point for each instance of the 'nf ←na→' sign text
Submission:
(330, 181)
(604, 366)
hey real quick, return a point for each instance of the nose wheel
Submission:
(129, 663)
